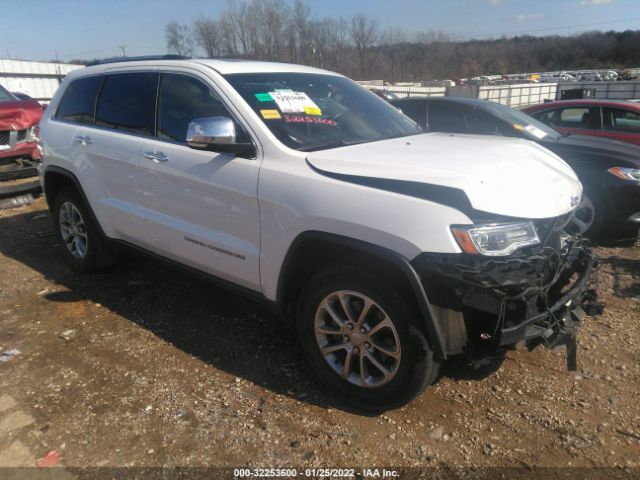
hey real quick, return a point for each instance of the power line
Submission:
(565, 27)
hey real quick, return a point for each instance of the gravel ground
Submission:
(145, 366)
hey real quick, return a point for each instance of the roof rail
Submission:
(134, 59)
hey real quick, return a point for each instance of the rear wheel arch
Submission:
(313, 251)
(57, 178)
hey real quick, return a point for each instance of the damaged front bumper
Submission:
(538, 295)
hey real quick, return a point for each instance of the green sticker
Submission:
(264, 97)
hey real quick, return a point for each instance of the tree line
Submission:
(360, 48)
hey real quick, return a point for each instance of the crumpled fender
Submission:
(19, 115)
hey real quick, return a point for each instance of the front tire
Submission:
(361, 337)
(589, 217)
(84, 247)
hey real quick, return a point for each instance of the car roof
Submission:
(473, 102)
(222, 66)
(586, 102)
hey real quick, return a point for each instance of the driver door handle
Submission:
(157, 157)
(84, 139)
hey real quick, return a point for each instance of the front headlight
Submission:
(626, 173)
(33, 134)
(495, 239)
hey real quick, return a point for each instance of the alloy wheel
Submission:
(73, 230)
(357, 339)
(585, 215)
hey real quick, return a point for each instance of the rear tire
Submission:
(85, 249)
(361, 337)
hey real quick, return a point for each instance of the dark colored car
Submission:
(618, 120)
(385, 94)
(609, 170)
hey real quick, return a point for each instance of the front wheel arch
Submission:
(312, 251)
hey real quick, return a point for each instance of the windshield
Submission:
(531, 127)
(310, 112)
(5, 96)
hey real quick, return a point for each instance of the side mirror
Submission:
(216, 134)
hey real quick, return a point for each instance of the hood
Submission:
(19, 114)
(595, 146)
(502, 176)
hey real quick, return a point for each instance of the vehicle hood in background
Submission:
(19, 114)
(503, 176)
(593, 146)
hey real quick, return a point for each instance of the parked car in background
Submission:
(384, 94)
(616, 119)
(588, 76)
(391, 249)
(21, 96)
(19, 149)
(556, 78)
(608, 170)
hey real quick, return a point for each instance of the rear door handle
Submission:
(158, 157)
(84, 139)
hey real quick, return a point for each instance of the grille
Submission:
(22, 135)
(4, 138)
(549, 229)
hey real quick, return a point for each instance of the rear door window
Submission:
(127, 102)
(79, 100)
(570, 117)
(620, 120)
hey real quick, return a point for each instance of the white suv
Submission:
(392, 249)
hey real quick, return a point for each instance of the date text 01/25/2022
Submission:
(315, 473)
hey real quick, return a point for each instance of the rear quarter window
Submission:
(79, 101)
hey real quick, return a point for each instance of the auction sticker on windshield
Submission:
(535, 131)
(295, 102)
(270, 114)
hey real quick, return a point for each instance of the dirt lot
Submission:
(145, 365)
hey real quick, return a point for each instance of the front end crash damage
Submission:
(20, 153)
(537, 295)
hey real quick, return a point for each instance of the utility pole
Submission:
(122, 47)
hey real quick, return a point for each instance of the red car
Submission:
(18, 121)
(618, 120)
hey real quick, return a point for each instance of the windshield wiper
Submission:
(325, 146)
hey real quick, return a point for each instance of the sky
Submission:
(86, 29)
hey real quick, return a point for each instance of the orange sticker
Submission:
(270, 114)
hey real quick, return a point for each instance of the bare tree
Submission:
(179, 39)
(207, 35)
(299, 40)
(364, 33)
(276, 16)
(338, 46)
(395, 38)
(283, 31)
